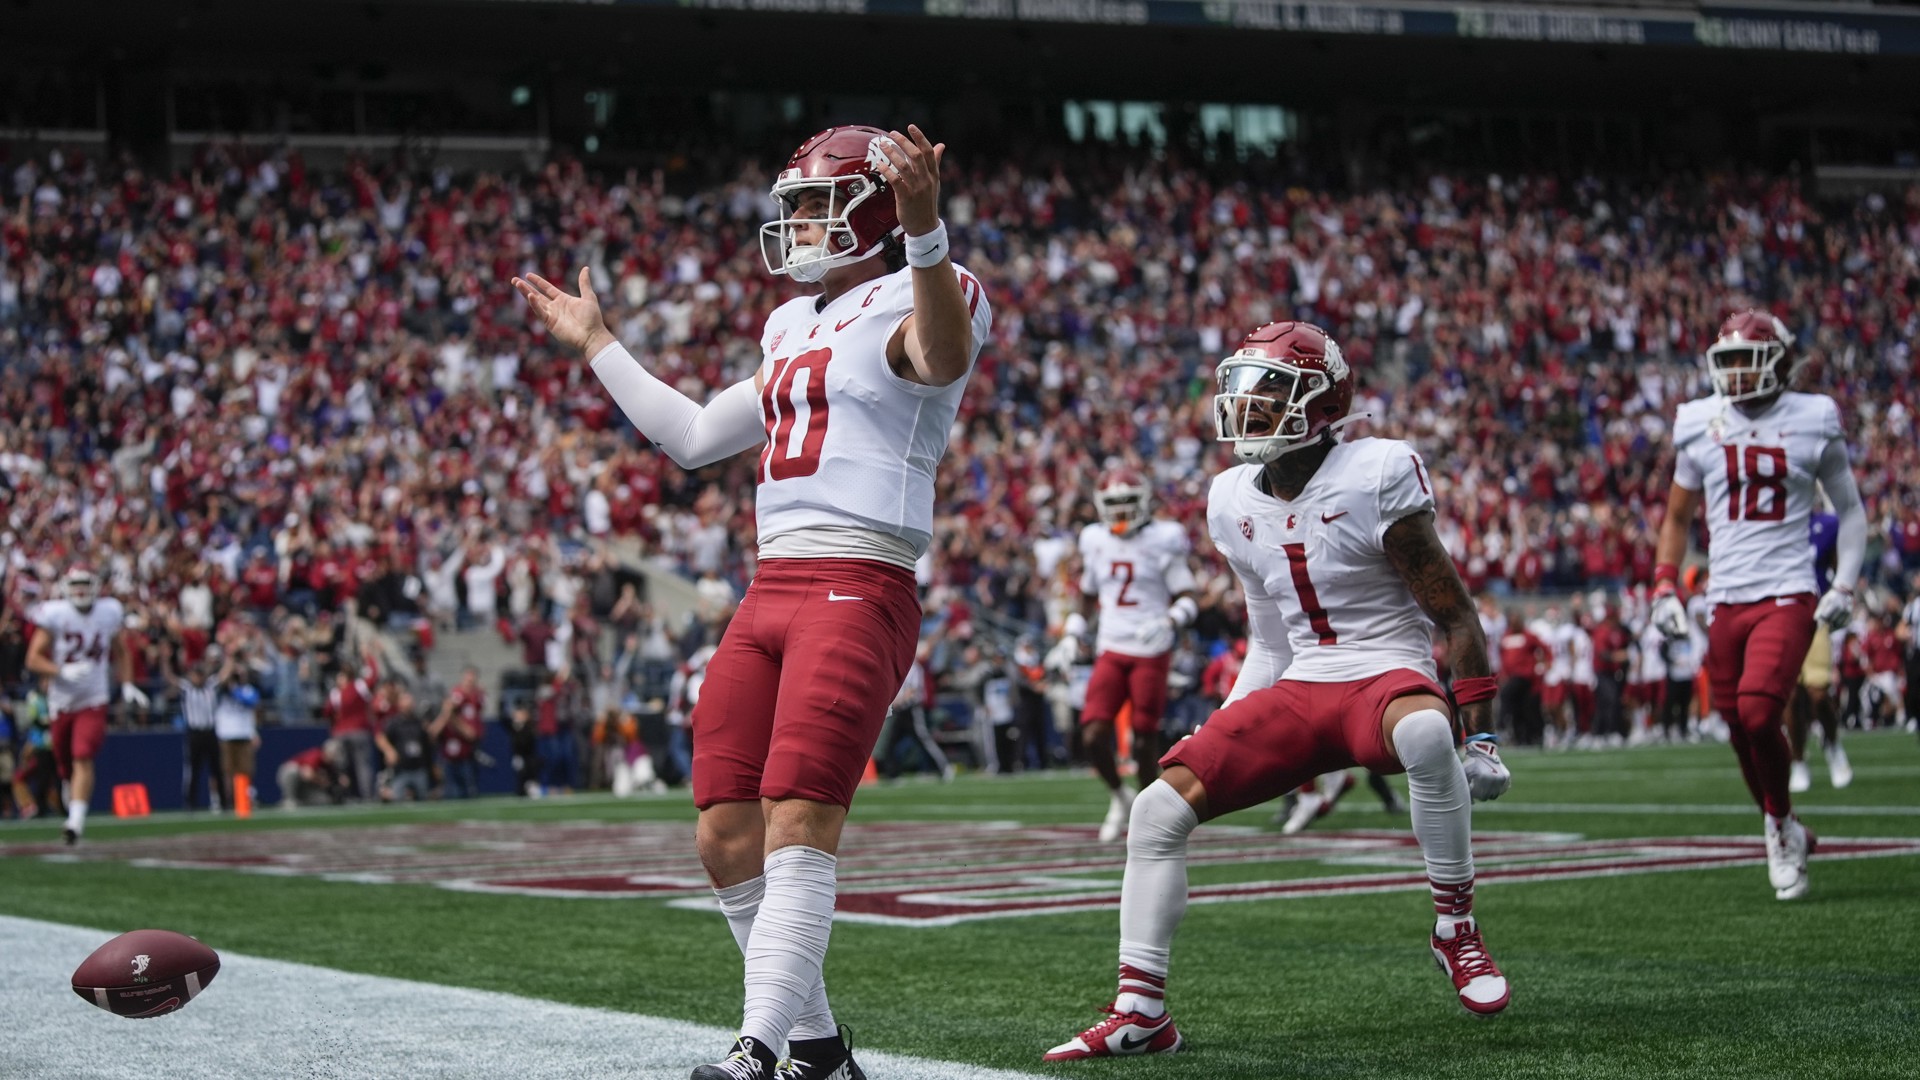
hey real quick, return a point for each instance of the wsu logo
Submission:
(140, 964)
(876, 154)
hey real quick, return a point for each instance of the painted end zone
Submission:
(918, 874)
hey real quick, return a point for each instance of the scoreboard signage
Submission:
(1787, 27)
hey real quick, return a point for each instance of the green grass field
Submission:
(1683, 973)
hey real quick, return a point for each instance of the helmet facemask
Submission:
(1123, 507)
(1745, 370)
(1261, 406)
(780, 245)
(82, 589)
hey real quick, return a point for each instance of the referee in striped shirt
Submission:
(198, 693)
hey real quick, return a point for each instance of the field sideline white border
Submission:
(264, 1018)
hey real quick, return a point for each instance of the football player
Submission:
(858, 387)
(1345, 582)
(76, 644)
(1753, 452)
(1813, 698)
(1134, 571)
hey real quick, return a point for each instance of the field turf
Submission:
(1687, 973)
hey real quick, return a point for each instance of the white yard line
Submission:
(271, 1018)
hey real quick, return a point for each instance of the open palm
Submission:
(575, 320)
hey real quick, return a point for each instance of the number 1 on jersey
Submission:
(794, 403)
(1309, 598)
(1773, 482)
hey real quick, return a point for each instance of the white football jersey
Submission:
(1319, 563)
(1756, 476)
(1559, 643)
(1136, 577)
(1581, 647)
(79, 637)
(850, 444)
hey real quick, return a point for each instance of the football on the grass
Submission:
(146, 973)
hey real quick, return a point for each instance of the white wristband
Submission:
(927, 249)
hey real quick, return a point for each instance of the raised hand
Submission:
(913, 171)
(575, 320)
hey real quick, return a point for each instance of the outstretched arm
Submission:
(691, 435)
(1421, 560)
(936, 341)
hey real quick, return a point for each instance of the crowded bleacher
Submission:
(289, 415)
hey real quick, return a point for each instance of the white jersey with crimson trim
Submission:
(1319, 560)
(1756, 477)
(1136, 577)
(80, 637)
(850, 444)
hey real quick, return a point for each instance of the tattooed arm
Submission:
(1422, 562)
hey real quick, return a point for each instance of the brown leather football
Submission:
(146, 973)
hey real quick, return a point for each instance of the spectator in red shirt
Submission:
(314, 776)
(1884, 667)
(261, 583)
(1612, 651)
(458, 731)
(350, 708)
(1523, 657)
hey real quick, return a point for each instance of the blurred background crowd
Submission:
(297, 419)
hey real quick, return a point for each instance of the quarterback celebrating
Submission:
(850, 409)
(1137, 570)
(1345, 581)
(76, 644)
(1754, 451)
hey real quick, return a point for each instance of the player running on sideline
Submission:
(76, 644)
(850, 409)
(1345, 581)
(1135, 569)
(1753, 451)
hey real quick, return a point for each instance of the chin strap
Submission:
(1328, 434)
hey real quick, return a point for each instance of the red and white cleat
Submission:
(1120, 1035)
(1463, 957)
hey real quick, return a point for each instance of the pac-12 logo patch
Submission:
(1246, 527)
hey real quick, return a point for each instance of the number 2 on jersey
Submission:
(794, 403)
(1773, 482)
(1124, 570)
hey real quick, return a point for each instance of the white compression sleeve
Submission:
(1850, 539)
(692, 436)
(1153, 895)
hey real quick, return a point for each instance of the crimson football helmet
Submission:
(1287, 388)
(1121, 497)
(1752, 357)
(81, 587)
(843, 164)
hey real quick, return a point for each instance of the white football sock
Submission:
(740, 903)
(788, 945)
(1441, 805)
(1153, 898)
(77, 815)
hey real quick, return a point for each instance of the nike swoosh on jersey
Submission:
(831, 596)
(842, 326)
(1328, 519)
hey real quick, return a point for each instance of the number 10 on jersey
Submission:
(794, 403)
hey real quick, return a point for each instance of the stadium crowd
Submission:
(278, 408)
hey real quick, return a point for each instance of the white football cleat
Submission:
(1304, 811)
(1120, 1035)
(1839, 769)
(1462, 956)
(1118, 811)
(1788, 846)
(1799, 778)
